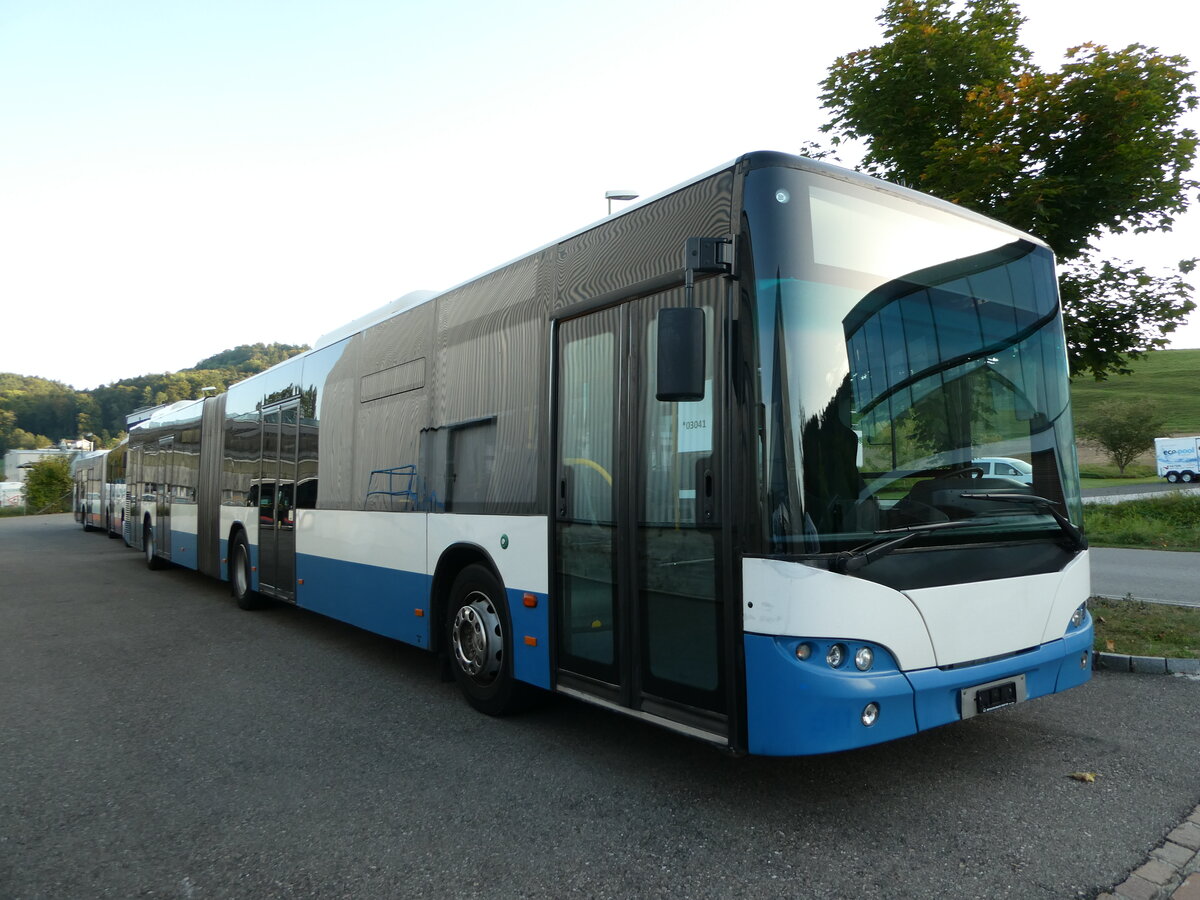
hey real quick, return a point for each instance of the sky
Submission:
(180, 178)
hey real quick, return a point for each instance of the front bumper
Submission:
(796, 707)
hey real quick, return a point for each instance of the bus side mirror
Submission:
(680, 354)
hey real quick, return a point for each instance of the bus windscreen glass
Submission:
(899, 344)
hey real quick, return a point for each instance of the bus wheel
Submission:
(152, 561)
(479, 644)
(239, 574)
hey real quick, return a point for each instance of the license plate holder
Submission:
(984, 698)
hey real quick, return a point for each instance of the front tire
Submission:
(239, 574)
(479, 644)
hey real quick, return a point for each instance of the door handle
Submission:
(706, 505)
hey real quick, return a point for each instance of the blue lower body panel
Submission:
(1052, 667)
(390, 602)
(183, 549)
(797, 707)
(397, 604)
(531, 637)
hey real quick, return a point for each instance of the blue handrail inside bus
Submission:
(400, 486)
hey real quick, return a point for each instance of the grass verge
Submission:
(1168, 521)
(1095, 481)
(1097, 475)
(1136, 628)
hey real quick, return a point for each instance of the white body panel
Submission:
(414, 542)
(522, 564)
(246, 516)
(787, 598)
(184, 518)
(383, 539)
(922, 628)
(991, 618)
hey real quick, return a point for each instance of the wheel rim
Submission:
(478, 639)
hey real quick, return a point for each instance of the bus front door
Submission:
(276, 503)
(637, 571)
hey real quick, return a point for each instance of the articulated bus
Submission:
(707, 463)
(100, 492)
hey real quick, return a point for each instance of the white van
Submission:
(1006, 467)
(1178, 459)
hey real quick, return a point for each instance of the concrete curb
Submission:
(1145, 665)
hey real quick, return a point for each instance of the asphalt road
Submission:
(1147, 575)
(155, 741)
(1144, 574)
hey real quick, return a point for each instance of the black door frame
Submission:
(627, 693)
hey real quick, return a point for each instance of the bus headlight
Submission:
(804, 651)
(835, 656)
(864, 658)
(1079, 615)
(870, 713)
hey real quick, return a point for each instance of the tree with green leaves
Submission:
(48, 485)
(1124, 429)
(952, 104)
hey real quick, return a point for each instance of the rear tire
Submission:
(152, 560)
(239, 574)
(1187, 477)
(479, 644)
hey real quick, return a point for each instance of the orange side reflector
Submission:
(530, 641)
(531, 601)
(419, 613)
(299, 581)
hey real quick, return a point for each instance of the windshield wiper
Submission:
(1072, 531)
(849, 561)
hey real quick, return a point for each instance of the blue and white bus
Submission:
(100, 492)
(707, 462)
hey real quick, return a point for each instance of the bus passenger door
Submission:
(166, 486)
(637, 573)
(276, 503)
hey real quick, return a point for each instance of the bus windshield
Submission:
(909, 357)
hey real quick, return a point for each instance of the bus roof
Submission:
(757, 159)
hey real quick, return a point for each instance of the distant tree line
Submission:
(35, 412)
